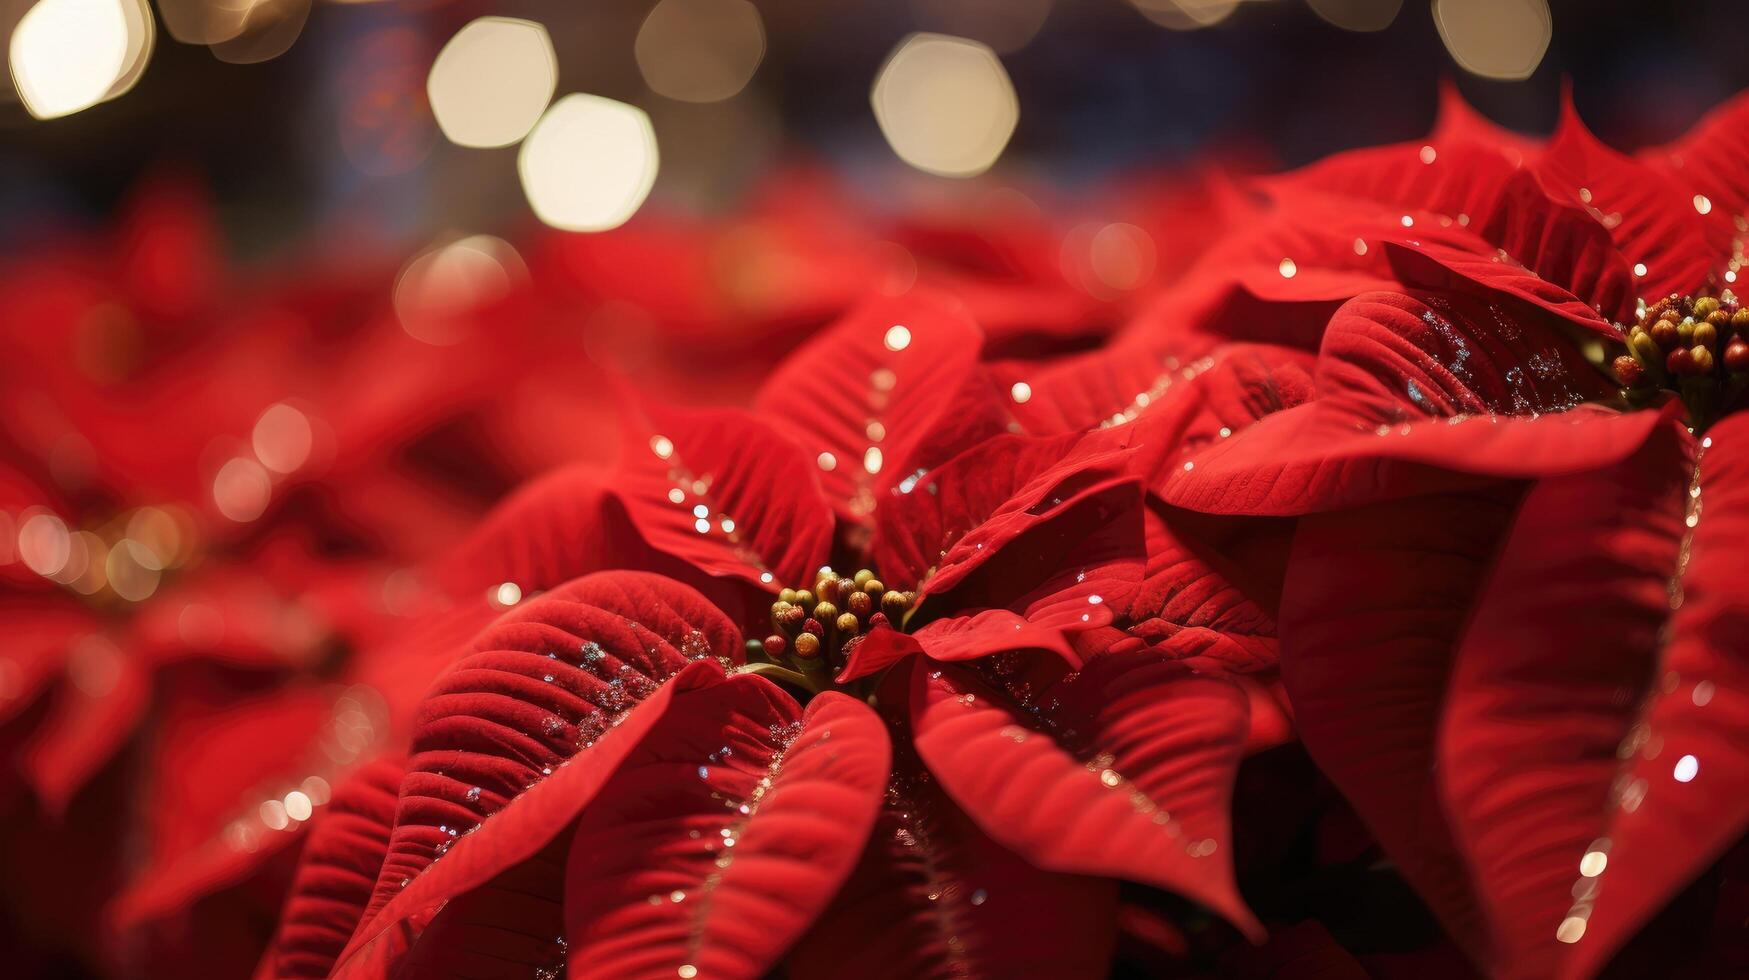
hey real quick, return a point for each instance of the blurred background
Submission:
(317, 118)
(293, 292)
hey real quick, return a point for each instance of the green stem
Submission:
(773, 671)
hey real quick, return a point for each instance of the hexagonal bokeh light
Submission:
(491, 82)
(589, 163)
(945, 104)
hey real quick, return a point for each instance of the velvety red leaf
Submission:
(860, 395)
(1184, 405)
(1566, 252)
(509, 928)
(1189, 610)
(1370, 618)
(979, 410)
(1711, 158)
(1587, 283)
(544, 683)
(1590, 752)
(1308, 460)
(727, 493)
(528, 824)
(1451, 172)
(1392, 357)
(875, 652)
(1447, 380)
(956, 638)
(1653, 221)
(1214, 304)
(1194, 404)
(42, 630)
(934, 897)
(1271, 712)
(1459, 121)
(940, 528)
(1464, 198)
(1317, 248)
(93, 714)
(556, 528)
(1128, 776)
(716, 847)
(338, 869)
(203, 836)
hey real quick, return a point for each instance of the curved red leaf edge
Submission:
(1448, 382)
(510, 926)
(934, 897)
(93, 714)
(1126, 773)
(1710, 158)
(716, 846)
(526, 825)
(956, 638)
(1189, 609)
(1370, 617)
(555, 528)
(952, 520)
(1675, 245)
(336, 873)
(1632, 781)
(544, 684)
(862, 394)
(727, 493)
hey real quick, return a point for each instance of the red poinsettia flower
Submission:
(1510, 613)
(656, 769)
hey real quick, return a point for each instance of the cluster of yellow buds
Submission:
(1683, 336)
(1695, 346)
(812, 627)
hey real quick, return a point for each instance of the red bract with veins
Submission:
(1512, 610)
(939, 764)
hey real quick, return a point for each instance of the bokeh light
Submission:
(1186, 15)
(1005, 25)
(44, 544)
(68, 55)
(203, 21)
(945, 104)
(1503, 39)
(440, 287)
(491, 82)
(133, 570)
(282, 438)
(242, 489)
(1358, 15)
(267, 29)
(589, 163)
(700, 50)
